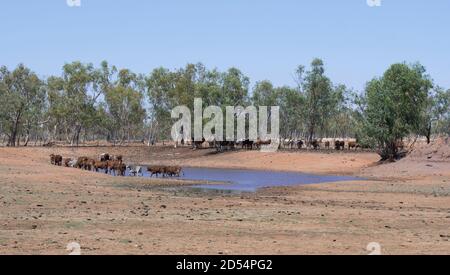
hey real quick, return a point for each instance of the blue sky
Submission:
(266, 39)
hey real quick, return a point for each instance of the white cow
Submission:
(135, 170)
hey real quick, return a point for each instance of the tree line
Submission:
(87, 103)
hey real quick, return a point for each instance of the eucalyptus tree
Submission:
(395, 106)
(167, 89)
(264, 94)
(22, 102)
(235, 88)
(292, 112)
(72, 100)
(437, 113)
(124, 101)
(340, 120)
(319, 94)
(160, 86)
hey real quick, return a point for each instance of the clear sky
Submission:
(266, 39)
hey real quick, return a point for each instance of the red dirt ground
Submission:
(404, 206)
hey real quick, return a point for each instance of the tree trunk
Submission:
(76, 137)
(27, 139)
(428, 134)
(13, 137)
(311, 133)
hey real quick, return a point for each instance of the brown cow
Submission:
(314, 144)
(116, 167)
(327, 145)
(172, 171)
(352, 145)
(89, 164)
(156, 170)
(121, 168)
(56, 159)
(52, 159)
(101, 165)
(81, 163)
(111, 166)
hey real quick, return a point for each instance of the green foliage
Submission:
(322, 100)
(167, 89)
(395, 104)
(124, 101)
(90, 103)
(22, 101)
(437, 113)
(72, 107)
(264, 94)
(292, 112)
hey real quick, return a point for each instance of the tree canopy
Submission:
(396, 103)
(89, 103)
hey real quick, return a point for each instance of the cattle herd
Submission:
(114, 165)
(339, 145)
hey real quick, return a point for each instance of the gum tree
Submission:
(22, 101)
(395, 104)
(319, 96)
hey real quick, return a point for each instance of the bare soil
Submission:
(404, 206)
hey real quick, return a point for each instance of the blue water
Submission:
(252, 180)
(248, 180)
